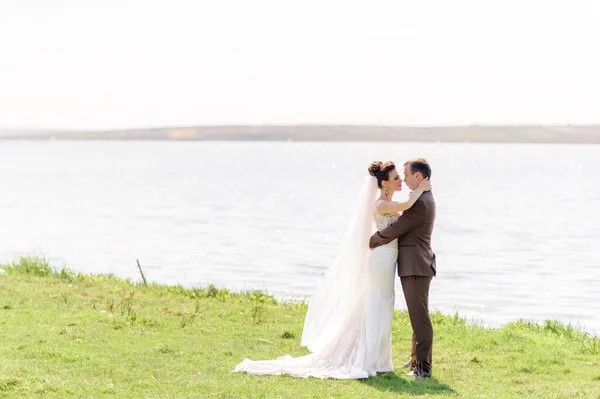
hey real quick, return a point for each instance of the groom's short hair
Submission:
(419, 165)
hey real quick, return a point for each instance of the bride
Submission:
(348, 323)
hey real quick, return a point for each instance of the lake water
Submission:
(517, 233)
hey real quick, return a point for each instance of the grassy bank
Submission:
(68, 335)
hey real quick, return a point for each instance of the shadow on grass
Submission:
(390, 382)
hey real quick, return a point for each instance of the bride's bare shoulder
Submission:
(381, 206)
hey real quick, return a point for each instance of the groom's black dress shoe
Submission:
(421, 370)
(415, 373)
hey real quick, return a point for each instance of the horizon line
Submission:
(151, 127)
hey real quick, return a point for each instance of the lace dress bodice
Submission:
(383, 221)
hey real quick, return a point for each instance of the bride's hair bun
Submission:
(381, 170)
(375, 168)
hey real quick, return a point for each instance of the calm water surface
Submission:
(517, 233)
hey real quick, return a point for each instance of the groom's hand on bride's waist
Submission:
(373, 241)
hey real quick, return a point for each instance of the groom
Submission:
(416, 263)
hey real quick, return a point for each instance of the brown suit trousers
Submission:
(416, 294)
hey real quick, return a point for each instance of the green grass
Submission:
(65, 335)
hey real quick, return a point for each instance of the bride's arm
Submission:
(399, 206)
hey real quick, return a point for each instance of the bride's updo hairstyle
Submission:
(381, 170)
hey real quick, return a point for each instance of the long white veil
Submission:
(339, 297)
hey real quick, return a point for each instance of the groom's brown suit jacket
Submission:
(413, 231)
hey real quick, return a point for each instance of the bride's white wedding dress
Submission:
(349, 318)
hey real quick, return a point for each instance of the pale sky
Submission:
(136, 63)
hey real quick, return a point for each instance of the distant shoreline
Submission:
(338, 133)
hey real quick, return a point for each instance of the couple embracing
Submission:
(349, 319)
